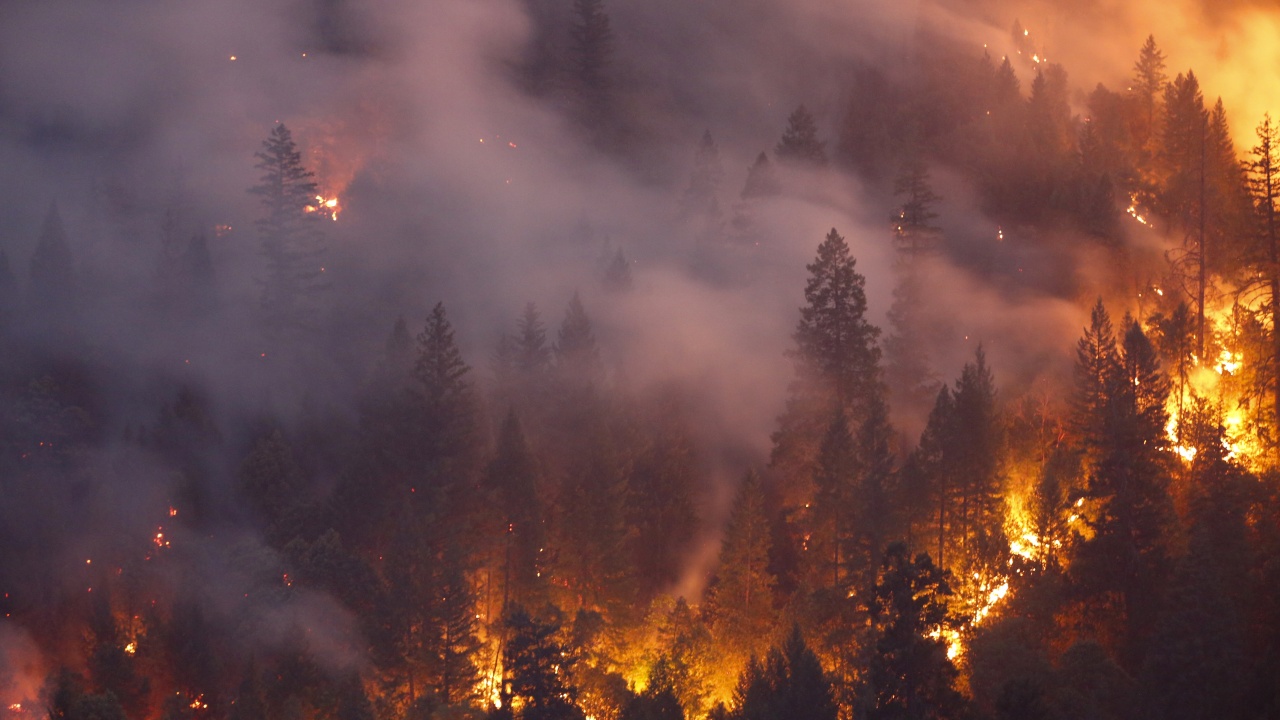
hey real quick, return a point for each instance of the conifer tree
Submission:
(1147, 89)
(1264, 187)
(533, 357)
(1120, 417)
(576, 353)
(617, 274)
(702, 196)
(910, 673)
(512, 478)
(742, 595)
(591, 54)
(833, 507)
(762, 180)
(836, 360)
(454, 645)
(537, 667)
(799, 144)
(445, 396)
(291, 236)
(914, 235)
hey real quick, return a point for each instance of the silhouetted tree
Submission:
(291, 236)
(799, 143)
(910, 675)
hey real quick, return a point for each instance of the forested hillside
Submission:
(540, 380)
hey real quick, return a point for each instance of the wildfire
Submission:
(131, 648)
(198, 703)
(1136, 215)
(326, 206)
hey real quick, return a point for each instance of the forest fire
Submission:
(326, 206)
(697, 497)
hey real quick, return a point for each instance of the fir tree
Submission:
(910, 674)
(291, 236)
(591, 54)
(537, 666)
(512, 478)
(913, 233)
(833, 505)
(701, 197)
(799, 144)
(762, 179)
(617, 275)
(576, 353)
(1147, 86)
(742, 595)
(1264, 187)
(836, 360)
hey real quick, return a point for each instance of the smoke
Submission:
(457, 185)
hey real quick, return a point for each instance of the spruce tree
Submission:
(914, 235)
(590, 55)
(1147, 88)
(576, 353)
(799, 144)
(512, 478)
(537, 667)
(742, 596)
(291, 236)
(702, 195)
(910, 673)
(836, 361)
(1264, 188)
(762, 179)
(830, 535)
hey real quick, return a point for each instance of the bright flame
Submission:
(131, 648)
(328, 206)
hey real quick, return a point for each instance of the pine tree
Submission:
(591, 54)
(701, 197)
(512, 478)
(576, 353)
(291, 236)
(444, 395)
(836, 360)
(1147, 87)
(742, 595)
(617, 275)
(454, 645)
(533, 357)
(833, 507)
(762, 180)
(799, 144)
(1264, 187)
(660, 507)
(910, 675)
(537, 666)
(913, 233)
(877, 519)
(976, 460)
(1120, 418)
(273, 483)
(1183, 197)
(790, 683)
